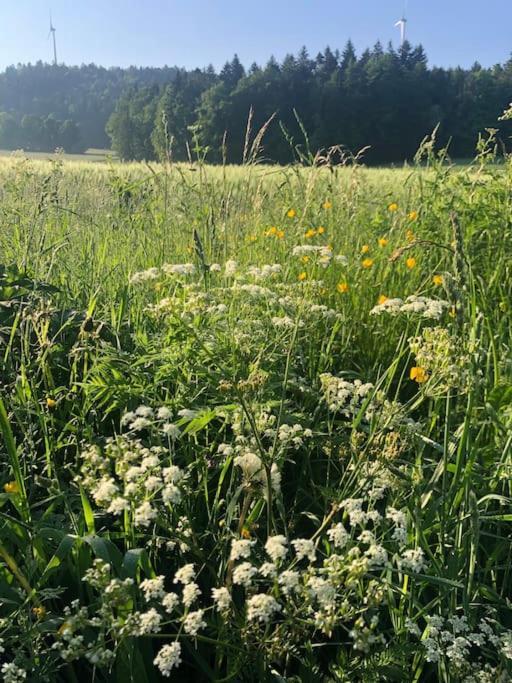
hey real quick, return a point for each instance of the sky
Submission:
(195, 33)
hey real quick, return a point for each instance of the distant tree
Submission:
(9, 131)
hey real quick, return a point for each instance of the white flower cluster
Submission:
(464, 650)
(144, 417)
(167, 269)
(420, 305)
(127, 476)
(179, 269)
(344, 396)
(264, 272)
(144, 276)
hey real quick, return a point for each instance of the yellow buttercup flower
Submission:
(418, 374)
(382, 241)
(291, 213)
(409, 235)
(393, 207)
(11, 487)
(412, 215)
(365, 248)
(280, 234)
(320, 230)
(382, 299)
(245, 533)
(310, 233)
(302, 276)
(342, 287)
(438, 280)
(367, 263)
(252, 238)
(410, 262)
(51, 402)
(305, 259)
(39, 612)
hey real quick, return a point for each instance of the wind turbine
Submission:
(52, 33)
(401, 23)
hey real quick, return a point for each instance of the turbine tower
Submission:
(401, 23)
(52, 33)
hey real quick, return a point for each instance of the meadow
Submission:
(256, 421)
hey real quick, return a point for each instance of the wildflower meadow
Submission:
(256, 421)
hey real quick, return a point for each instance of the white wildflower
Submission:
(262, 607)
(276, 547)
(168, 658)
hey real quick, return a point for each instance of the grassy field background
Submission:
(256, 421)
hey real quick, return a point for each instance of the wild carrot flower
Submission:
(367, 263)
(410, 262)
(437, 280)
(418, 374)
(393, 207)
(342, 287)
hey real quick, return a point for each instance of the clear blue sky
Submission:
(194, 33)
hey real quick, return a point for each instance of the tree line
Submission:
(383, 99)
(86, 95)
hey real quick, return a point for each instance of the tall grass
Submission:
(305, 402)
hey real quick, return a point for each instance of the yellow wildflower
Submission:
(51, 402)
(64, 628)
(410, 262)
(280, 234)
(291, 213)
(409, 235)
(412, 215)
(245, 533)
(365, 248)
(367, 263)
(39, 612)
(305, 259)
(382, 299)
(310, 233)
(437, 280)
(342, 287)
(11, 487)
(393, 207)
(327, 205)
(382, 241)
(419, 374)
(302, 276)
(320, 230)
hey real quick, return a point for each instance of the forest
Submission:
(383, 101)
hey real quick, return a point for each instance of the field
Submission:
(90, 155)
(257, 422)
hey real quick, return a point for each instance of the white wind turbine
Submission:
(401, 23)
(52, 33)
